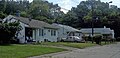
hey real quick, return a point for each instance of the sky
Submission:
(68, 4)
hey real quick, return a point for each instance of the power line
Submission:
(67, 9)
(72, 1)
(75, 1)
(64, 9)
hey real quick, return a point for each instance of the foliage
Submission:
(38, 9)
(24, 14)
(99, 12)
(2, 15)
(2, 5)
(8, 31)
(98, 39)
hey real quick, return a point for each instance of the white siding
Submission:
(36, 36)
(62, 32)
(46, 35)
(113, 34)
(21, 35)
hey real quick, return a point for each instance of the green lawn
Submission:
(75, 45)
(23, 51)
(103, 43)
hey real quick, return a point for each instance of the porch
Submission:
(30, 35)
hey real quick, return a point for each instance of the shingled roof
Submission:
(68, 28)
(33, 23)
(97, 30)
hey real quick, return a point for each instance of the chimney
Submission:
(18, 13)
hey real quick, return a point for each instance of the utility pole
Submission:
(92, 8)
(92, 3)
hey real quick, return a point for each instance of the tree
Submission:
(100, 12)
(2, 5)
(2, 15)
(8, 31)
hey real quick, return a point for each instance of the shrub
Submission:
(98, 39)
(8, 32)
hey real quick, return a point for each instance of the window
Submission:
(41, 32)
(48, 30)
(53, 33)
(79, 34)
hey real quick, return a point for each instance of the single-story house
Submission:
(98, 31)
(64, 31)
(36, 30)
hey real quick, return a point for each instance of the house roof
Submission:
(33, 23)
(68, 28)
(97, 30)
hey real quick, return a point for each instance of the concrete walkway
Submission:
(107, 51)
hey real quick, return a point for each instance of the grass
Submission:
(23, 51)
(75, 45)
(103, 43)
(79, 45)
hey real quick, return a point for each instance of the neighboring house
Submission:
(64, 31)
(1, 20)
(36, 30)
(105, 32)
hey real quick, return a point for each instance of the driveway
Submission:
(107, 51)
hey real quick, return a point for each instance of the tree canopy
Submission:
(38, 9)
(101, 13)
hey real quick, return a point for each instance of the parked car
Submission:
(72, 39)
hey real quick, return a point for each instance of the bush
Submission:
(87, 38)
(8, 32)
(98, 39)
(118, 39)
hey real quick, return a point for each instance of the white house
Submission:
(34, 29)
(98, 31)
(65, 31)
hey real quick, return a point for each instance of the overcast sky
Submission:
(68, 4)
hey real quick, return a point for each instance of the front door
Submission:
(28, 34)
